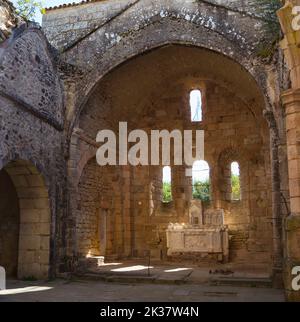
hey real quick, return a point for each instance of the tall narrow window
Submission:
(235, 181)
(196, 105)
(167, 185)
(201, 181)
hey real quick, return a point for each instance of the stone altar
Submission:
(206, 235)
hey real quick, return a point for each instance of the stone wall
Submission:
(96, 206)
(94, 40)
(234, 131)
(64, 27)
(31, 118)
(110, 32)
(40, 91)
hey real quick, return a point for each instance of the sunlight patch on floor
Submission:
(131, 268)
(177, 270)
(28, 289)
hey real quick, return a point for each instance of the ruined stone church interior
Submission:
(156, 65)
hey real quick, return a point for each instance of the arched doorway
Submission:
(24, 221)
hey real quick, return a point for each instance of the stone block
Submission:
(35, 180)
(27, 203)
(45, 243)
(45, 216)
(30, 216)
(41, 203)
(30, 229)
(42, 257)
(29, 242)
(19, 181)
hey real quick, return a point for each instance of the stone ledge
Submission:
(290, 96)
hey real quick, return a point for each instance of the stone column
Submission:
(216, 195)
(291, 102)
(102, 229)
(276, 200)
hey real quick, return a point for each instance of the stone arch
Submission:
(34, 217)
(139, 43)
(127, 97)
(256, 74)
(85, 158)
(197, 24)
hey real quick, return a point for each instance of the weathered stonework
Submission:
(126, 94)
(291, 103)
(137, 61)
(31, 124)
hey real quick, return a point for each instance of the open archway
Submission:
(152, 92)
(24, 221)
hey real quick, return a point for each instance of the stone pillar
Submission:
(215, 186)
(291, 102)
(276, 200)
(127, 219)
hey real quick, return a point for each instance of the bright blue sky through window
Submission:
(235, 168)
(196, 105)
(167, 176)
(47, 4)
(200, 171)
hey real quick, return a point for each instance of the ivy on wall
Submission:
(267, 10)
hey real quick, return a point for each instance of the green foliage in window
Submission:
(201, 191)
(167, 192)
(236, 188)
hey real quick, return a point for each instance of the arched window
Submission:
(235, 181)
(201, 181)
(167, 184)
(196, 105)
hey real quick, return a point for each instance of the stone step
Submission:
(128, 279)
(241, 282)
(154, 278)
